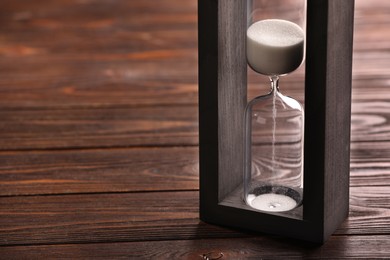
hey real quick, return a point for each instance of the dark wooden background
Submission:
(98, 135)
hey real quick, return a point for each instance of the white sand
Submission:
(272, 202)
(275, 47)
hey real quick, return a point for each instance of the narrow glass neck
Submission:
(274, 83)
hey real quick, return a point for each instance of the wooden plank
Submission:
(370, 164)
(372, 25)
(106, 85)
(371, 22)
(64, 7)
(136, 79)
(148, 216)
(370, 121)
(122, 81)
(75, 28)
(143, 169)
(361, 247)
(78, 128)
(104, 217)
(75, 91)
(73, 14)
(371, 64)
(77, 54)
(102, 170)
(88, 16)
(128, 68)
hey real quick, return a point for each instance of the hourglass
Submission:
(296, 182)
(274, 123)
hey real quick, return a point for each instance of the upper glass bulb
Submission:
(274, 46)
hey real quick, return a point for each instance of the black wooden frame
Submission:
(222, 98)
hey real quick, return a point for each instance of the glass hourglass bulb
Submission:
(273, 172)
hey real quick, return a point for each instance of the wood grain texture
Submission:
(83, 128)
(108, 58)
(155, 126)
(98, 101)
(231, 101)
(338, 95)
(145, 216)
(91, 53)
(104, 217)
(143, 169)
(244, 248)
(370, 164)
(101, 170)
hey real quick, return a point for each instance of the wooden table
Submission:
(98, 136)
